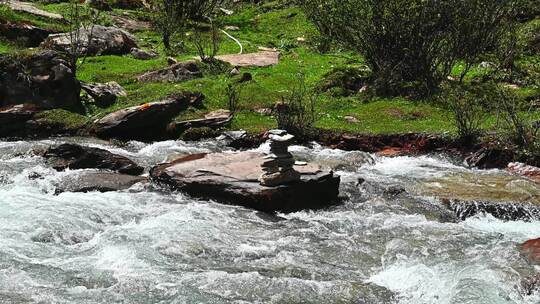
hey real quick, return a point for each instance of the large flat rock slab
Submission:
(29, 8)
(233, 178)
(259, 59)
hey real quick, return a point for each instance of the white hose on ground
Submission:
(235, 40)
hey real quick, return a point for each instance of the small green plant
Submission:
(470, 109)
(233, 96)
(207, 43)
(296, 112)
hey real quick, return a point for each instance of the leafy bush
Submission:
(296, 113)
(171, 17)
(470, 107)
(412, 45)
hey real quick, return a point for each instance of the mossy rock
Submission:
(343, 81)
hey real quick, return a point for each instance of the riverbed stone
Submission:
(75, 156)
(214, 120)
(531, 249)
(98, 181)
(233, 178)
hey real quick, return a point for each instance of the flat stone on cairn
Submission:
(278, 166)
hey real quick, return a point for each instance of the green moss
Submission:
(69, 120)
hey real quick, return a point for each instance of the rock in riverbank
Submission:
(74, 156)
(147, 121)
(43, 79)
(98, 181)
(234, 178)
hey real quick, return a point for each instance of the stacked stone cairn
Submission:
(278, 166)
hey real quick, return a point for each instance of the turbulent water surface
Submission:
(145, 245)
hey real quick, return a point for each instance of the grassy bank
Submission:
(266, 26)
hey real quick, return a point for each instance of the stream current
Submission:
(390, 241)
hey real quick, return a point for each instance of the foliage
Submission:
(233, 96)
(296, 113)
(470, 107)
(172, 17)
(207, 43)
(412, 45)
(81, 21)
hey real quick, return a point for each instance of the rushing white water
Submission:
(146, 245)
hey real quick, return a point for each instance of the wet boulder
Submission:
(531, 249)
(27, 34)
(178, 72)
(529, 172)
(147, 121)
(233, 178)
(43, 79)
(74, 156)
(98, 181)
(104, 94)
(97, 40)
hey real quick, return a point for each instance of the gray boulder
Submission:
(43, 79)
(179, 72)
(104, 94)
(98, 181)
(142, 54)
(96, 40)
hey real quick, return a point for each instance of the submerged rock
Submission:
(234, 178)
(147, 121)
(98, 181)
(509, 211)
(74, 156)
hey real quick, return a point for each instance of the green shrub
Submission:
(296, 113)
(412, 45)
(470, 107)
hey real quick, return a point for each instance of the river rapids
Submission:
(390, 241)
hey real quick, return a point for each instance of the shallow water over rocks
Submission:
(391, 241)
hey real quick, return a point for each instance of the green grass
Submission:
(261, 26)
(69, 120)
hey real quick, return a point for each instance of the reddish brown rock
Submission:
(530, 172)
(233, 178)
(531, 249)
